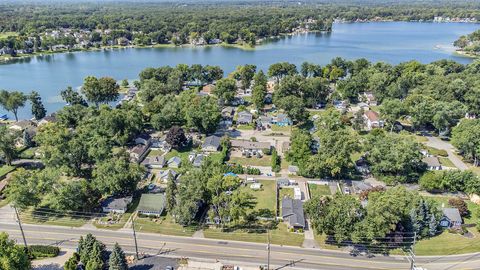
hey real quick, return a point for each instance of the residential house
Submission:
(370, 98)
(161, 144)
(372, 120)
(283, 182)
(249, 148)
(48, 119)
(211, 144)
(138, 152)
(144, 139)
(433, 163)
(451, 218)
(359, 186)
(197, 162)
(165, 174)
(155, 162)
(293, 170)
(244, 118)
(207, 89)
(116, 205)
(281, 120)
(174, 162)
(22, 125)
(228, 112)
(292, 213)
(151, 204)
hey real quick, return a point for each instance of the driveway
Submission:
(443, 145)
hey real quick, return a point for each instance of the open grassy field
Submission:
(265, 197)
(282, 129)
(163, 225)
(278, 236)
(285, 192)
(436, 152)
(154, 153)
(8, 34)
(253, 161)
(449, 244)
(47, 218)
(319, 190)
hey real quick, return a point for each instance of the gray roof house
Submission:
(116, 205)
(433, 163)
(451, 218)
(156, 162)
(164, 174)
(293, 169)
(211, 144)
(244, 118)
(144, 139)
(138, 152)
(292, 213)
(174, 162)
(197, 162)
(151, 204)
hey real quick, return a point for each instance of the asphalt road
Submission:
(232, 251)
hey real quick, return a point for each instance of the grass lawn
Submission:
(355, 156)
(28, 153)
(278, 236)
(319, 190)
(8, 34)
(265, 197)
(321, 238)
(123, 219)
(163, 225)
(472, 207)
(5, 169)
(253, 161)
(154, 153)
(436, 152)
(285, 192)
(448, 244)
(244, 127)
(183, 154)
(42, 218)
(282, 129)
(446, 162)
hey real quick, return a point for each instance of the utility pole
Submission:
(135, 236)
(268, 250)
(20, 225)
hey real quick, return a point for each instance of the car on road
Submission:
(169, 268)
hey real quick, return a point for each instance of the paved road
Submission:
(232, 251)
(439, 144)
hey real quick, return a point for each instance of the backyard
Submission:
(264, 161)
(265, 197)
(319, 190)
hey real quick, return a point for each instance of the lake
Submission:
(392, 42)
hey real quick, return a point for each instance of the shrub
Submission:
(437, 152)
(460, 205)
(41, 251)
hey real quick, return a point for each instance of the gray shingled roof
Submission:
(212, 141)
(452, 214)
(292, 212)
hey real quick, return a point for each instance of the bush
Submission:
(437, 152)
(460, 205)
(253, 171)
(41, 251)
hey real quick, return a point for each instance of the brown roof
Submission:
(372, 115)
(208, 88)
(250, 145)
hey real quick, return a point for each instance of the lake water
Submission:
(392, 42)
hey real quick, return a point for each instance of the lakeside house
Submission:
(165, 174)
(144, 139)
(249, 148)
(292, 213)
(156, 162)
(451, 218)
(151, 204)
(281, 120)
(48, 119)
(372, 120)
(138, 152)
(244, 118)
(211, 144)
(116, 205)
(370, 99)
(433, 163)
(174, 162)
(197, 162)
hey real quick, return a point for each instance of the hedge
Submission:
(41, 251)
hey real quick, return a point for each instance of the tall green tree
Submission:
(225, 89)
(171, 192)
(72, 97)
(38, 110)
(276, 161)
(12, 256)
(466, 137)
(102, 90)
(7, 144)
(12, 101)
(259, 89)
(117, 259)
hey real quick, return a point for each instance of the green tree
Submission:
(225, 89)
(12, 101)
(300, 148)
(259, 90)
(102, 90)
(391, 110)
(117, 259)
(276, 161)
(38, 110)
(358, 122)
(125, 83)
(72, 97)
(12, 256)
(466, 138)
(245, 74)
(171, 192)
(72, 262)
(7, 144)
(117, 175)
(203, 114)
(282, 69)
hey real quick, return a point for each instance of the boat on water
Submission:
(3, 117)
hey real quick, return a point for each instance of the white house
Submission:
(372, 120)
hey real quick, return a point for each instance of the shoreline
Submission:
(467, 54)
